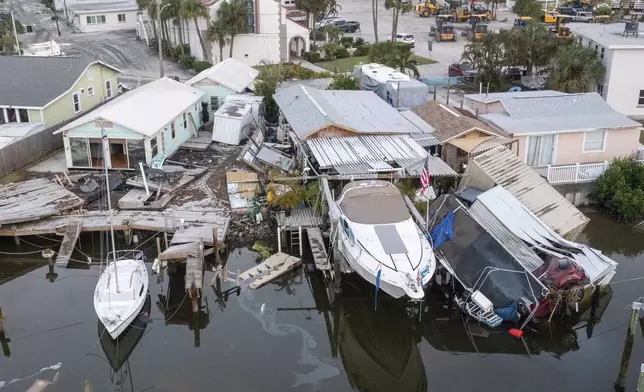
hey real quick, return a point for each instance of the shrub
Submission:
(362, 51)
(342, 53)
(201, 66)
(620, 189)
(344, 82)
(312, 57)
(187, 60)
(319, 35)
(330, 51)
(347, 42)
(358, 42)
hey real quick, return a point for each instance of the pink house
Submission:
(568, 138)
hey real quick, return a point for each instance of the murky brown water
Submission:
(287, 336)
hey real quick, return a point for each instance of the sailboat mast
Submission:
(109, 205)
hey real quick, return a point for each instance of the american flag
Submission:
(424, 177)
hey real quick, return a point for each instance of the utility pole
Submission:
(628, 345)
(159, 40)
(53, 7)
(15, 33)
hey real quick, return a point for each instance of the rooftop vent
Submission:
(631, 29)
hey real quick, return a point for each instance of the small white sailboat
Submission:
(122, 287)
(378, 237)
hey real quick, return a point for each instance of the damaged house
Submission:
(143, 125)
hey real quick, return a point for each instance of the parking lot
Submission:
(444, 52)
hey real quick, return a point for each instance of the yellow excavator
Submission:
(427, 8)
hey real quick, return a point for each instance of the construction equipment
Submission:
(521, 22)
(478, 27)
(601, 19)
(554, 17)
(429, 7)
(444, 29)
(561, 31)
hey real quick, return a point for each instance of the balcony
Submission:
(573, 174)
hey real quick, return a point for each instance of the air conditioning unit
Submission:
(631, 28)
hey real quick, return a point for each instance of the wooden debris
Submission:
(69, 242)
(179, 252)
(272, 268)
(138, 199)
(188, 175)
(198, 143)
(35, 199)
(320, 256)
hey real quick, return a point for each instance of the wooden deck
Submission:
(199, 143)
(138, 199)
(188, 176)
(35, 199)
(169, 221)
(320, 256)
(272, 268)
(69, 242)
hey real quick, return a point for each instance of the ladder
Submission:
(296, 240)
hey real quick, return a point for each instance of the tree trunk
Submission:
(393, 25)
(232, 41)
(203, 47)
(180, 29)
(374, 12)
(221, 50)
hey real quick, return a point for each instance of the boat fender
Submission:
(156, 266)
(517, 333)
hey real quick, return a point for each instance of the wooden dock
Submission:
(272, 268)
(168, 221)
(188, 175)
(69, 242)
(320, 256)
(35, 199)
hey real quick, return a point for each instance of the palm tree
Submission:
(172, 11)
(311, 7)
(530, 47)
(333, 33)
(405, 62)
(234, 14)
(217, 32)
(374, 14)
(193, 9)
(528, 8)
(397, 7)
(575, 69)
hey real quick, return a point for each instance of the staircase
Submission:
(144, 29)
(296, 241)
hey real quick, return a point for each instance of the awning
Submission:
(479, 144)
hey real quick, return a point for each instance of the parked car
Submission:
(323, 22)
(583, 16)
(568, 11)
(348, 26)
(463, 70)
(406, 38)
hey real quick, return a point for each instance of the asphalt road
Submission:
(121, 49)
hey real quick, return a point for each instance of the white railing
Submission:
(571, 174)
(576, 173)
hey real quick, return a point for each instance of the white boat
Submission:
(376, 234)
(121, 292)
(122, 288)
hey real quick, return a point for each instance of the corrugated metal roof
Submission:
(532, 190)
(373, 154)
(231, 73)
(11, 132)
(492, 97)
(320, 84)
(300, 217)
(307, 110)
(513, 244)
(425, 139)
(421, 124)
(569, 112)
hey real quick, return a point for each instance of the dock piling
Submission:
(3, 338)
(628, 345)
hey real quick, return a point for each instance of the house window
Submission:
(108, 88)
(95, 19)
(594, 141)
(641, 99)
(24, 115)
(173, 130)
(601, 53)
(90, 73)
(77, 104)
(541, 150)
(214, 103)
(155, 147)
(251, 16)
(90, 91)
(185, 121)
(121, 18)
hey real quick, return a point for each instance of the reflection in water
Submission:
(117, 352)
(379, 348)
(447, 329)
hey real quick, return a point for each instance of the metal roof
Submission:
(560, 113)
(11, 132)
(320, 83)
(32, 81)
(425, 139)
(510, 242)
(415, 119)
(145, 109)
(307, 110)
(373, 154)
(493, 97)
(117, 6)
(532, 190)
(231, 73)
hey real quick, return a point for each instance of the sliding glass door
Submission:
(541, 150)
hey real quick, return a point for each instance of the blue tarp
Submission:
(443, 230)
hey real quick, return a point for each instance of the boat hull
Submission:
(117, 308)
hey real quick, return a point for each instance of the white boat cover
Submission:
(518, 219)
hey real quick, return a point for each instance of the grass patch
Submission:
(347, 65)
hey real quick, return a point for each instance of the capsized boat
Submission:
(380, 240)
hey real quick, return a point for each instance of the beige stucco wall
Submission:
(63, 108)
(569, 146)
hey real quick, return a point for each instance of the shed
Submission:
(257, 106)
(233, 122)
(395, 87)
(500, 166)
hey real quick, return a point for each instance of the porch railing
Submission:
(587, 172)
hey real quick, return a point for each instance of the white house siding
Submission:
(625, 80)
(111, 21)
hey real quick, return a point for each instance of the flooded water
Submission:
(287, 337)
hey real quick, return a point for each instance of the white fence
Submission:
(577, 173)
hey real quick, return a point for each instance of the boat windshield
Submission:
(374, 205)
